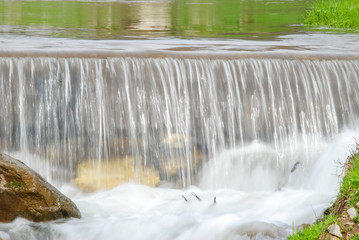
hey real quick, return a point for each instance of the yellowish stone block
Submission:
(94, 175)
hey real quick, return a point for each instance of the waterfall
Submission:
(180, 112)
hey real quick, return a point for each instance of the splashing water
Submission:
(234, 129)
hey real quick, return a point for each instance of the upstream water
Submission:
(177, 90)
(251, 119)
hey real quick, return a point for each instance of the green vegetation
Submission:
(343, 14)
(356, 219)
(350, 184)
(314, 231)
(348, 197)
(14, 184)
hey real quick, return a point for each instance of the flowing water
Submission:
(232, 128)
(172, 102)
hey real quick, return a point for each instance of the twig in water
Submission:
(196, 196)
(185, 198)
(214, 202)
(316, 217)
(295, 167)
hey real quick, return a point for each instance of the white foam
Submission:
(140, 212)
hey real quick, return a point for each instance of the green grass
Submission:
(348, 194)
(343, 14)
(355, 237)
(314, 231)
(350, 184)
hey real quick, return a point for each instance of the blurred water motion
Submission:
(97, 94)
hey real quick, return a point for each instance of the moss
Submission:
(343, 14)
(14, 184)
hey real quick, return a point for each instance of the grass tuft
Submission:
(349, 189)
(343, 14)
(314, 231)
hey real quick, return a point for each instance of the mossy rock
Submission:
(24, 193)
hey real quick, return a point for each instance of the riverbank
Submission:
(341, 219)
(342, 14)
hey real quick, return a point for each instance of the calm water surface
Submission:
(260, 19)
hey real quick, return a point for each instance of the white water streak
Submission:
(69, 110)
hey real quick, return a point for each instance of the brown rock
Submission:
(327, 236)
(24, 193)
(305, 226)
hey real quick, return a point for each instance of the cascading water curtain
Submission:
(166, 113)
